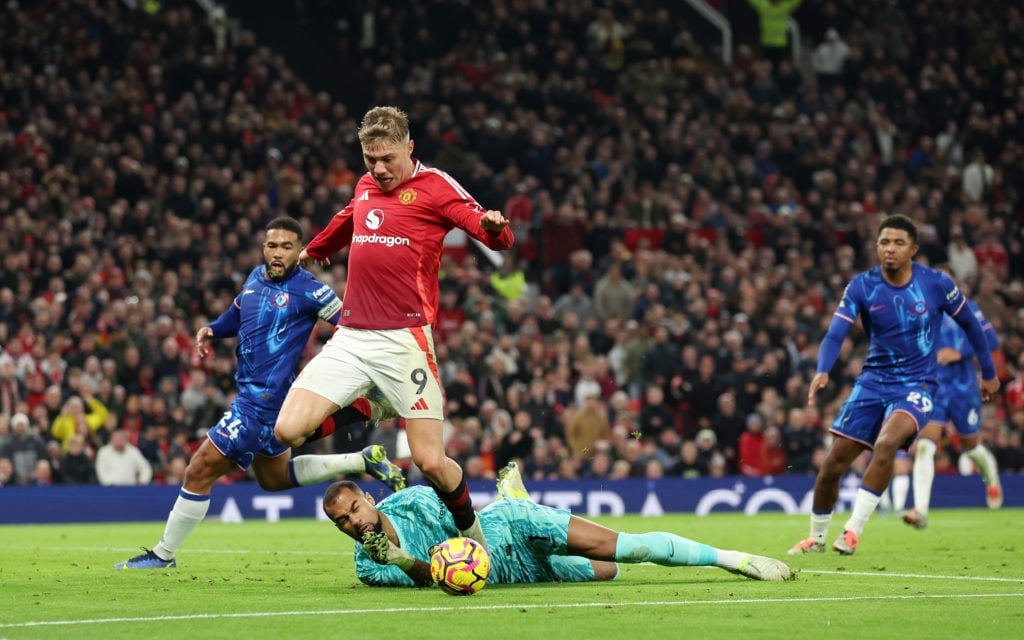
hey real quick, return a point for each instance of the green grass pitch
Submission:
(961, 578)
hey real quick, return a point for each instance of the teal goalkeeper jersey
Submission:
(527, 540)
(420, 520)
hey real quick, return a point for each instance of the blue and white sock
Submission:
(188, 511)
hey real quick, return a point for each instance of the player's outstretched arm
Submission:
(382, 551)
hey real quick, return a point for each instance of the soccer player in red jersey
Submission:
(400, 212)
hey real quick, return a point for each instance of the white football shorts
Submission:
(400, 362)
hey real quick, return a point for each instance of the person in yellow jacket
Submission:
(774, 14)
(509, 281)
(63, 427)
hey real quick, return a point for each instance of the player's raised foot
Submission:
(807, 546)
(916, 519)
(994, 495)
(476, 532)
(147, 560)
(846, 543)
(510, 484)
(377, 465)
(762, 568)
(380, 407)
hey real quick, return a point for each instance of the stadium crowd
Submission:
(684, 229)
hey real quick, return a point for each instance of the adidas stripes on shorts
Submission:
(400, 362)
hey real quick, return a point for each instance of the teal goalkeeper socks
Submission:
(666, 549)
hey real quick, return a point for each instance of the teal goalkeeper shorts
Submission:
(533, 544)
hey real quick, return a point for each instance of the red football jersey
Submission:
(396, 240)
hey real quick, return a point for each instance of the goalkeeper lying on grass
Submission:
(528, 542)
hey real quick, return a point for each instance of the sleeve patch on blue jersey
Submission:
(332, 308)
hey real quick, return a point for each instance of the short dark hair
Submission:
(900, 221)
(287, 223)
(332, 491)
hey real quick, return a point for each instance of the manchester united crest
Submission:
(405, 196)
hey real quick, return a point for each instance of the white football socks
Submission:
(924, 475)
(819, 526)
(986, 463)
(188, 511)
(863, 507)
(312, 469)
(900, 487)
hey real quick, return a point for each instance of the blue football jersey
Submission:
(274, 321)
(961, 377)
(902, 323)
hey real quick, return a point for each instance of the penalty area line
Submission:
(461, 609)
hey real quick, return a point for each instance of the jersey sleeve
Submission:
(850, 305)
(463, 211)
(953, 300)
(226, 325)
(842, 321)
(326, 302)
(335, 236)
(379, 575)
(951, 337)
(991, 337)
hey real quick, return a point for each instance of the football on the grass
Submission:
(460, 566)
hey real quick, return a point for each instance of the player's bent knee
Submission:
(288, 435)
(430, 466)
(289, 430)
(885, 449)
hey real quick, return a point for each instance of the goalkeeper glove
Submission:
(382, 551)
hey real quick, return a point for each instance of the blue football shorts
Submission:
(866, 410)
(244, 432)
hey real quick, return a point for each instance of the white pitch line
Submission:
(882, 574)
(463, 608)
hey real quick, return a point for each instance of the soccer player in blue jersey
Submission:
(901, 305)
(528, 542)
(272, 317)
(958, 401)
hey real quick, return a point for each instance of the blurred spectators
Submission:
(73, 417)
(77, 464)
(7, 476)
(24, 448)
(120, 463)
(692, 224)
